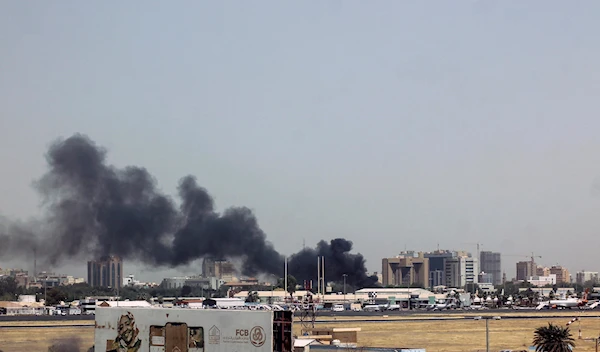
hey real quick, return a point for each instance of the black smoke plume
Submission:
(338, 261)
(95, 209)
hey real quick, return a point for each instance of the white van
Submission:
(338, 308)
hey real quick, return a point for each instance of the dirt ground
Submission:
(464, 335)
(38, 339)
(435, 336)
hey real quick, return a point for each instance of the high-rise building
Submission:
(584, 276)
(542, 271)
(208, 267)
(405, 270)
(524, 271)
(562, 274)
(221, 269)
(491, 264)
(461, 271)
(106, 272)
(437, 262)
(486, 278)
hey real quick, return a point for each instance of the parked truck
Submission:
(192, 330)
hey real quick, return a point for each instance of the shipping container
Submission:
(191, 330)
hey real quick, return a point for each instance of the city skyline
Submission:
(404, 125)
(511, 274)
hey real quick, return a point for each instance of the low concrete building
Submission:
(21, 308)
(275, 296)
(207, 283)
(303, 344)
(132, 304)
(398, 296)
(541, 281)
(343, 335)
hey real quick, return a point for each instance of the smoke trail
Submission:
(95, 209)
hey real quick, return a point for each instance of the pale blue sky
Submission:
(390, 123)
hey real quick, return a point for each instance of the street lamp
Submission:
(345, 275)
(487, 330)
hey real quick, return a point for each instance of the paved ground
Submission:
(330, 316)
(45, 317)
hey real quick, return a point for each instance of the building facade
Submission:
(207, 283)
(486, 278)
(461, 271)
(562, 274)
(405, 270)
(437, 265)
(106, 272)
(541, 281)
(491, 264)
(542, 271)
(582, 277)
(221, 269)
(524, 270)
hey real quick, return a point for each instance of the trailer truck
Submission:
(120, 329)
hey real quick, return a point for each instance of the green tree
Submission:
(55, 296)
(291, 284)
(553, 338)
(8, 289)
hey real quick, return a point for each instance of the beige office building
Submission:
(405, 270)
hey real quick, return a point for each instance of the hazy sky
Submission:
(394, 124)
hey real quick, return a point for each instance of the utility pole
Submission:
(345, 275)
(487, 330)
(285, 277)
(487, 335)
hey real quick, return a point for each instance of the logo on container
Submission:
(257, 336)
(214, 335)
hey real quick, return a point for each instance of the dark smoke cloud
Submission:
(338, 261)
(94, 209)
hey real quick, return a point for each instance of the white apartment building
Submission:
(584, 276)
(461, 271)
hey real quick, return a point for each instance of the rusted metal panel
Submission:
(176, 335)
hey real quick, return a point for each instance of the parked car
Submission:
(338, 308)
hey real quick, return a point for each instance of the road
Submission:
(329, 316)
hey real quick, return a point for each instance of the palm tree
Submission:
(553, 338)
